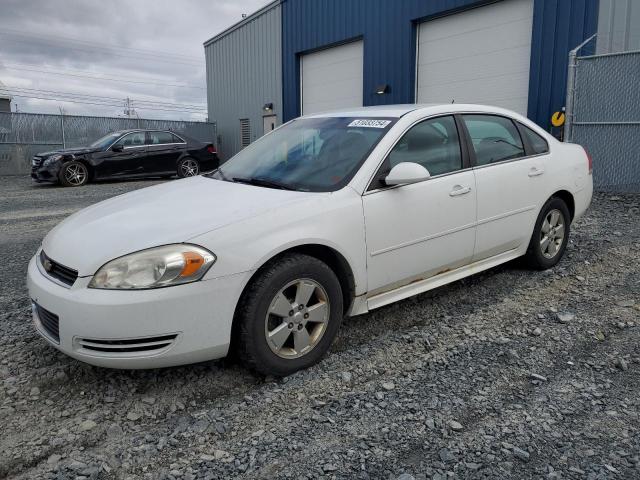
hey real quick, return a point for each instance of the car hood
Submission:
(172, 212)
(73, 151)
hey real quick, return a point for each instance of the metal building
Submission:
(326, 54)
(244, 79)
(5, 99)
(618, 26)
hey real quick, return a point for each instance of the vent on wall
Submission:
(245, 132)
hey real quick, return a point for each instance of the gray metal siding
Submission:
(618, 26)
(244, 72)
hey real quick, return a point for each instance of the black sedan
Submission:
(126, 154)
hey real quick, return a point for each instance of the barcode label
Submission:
(369, 123)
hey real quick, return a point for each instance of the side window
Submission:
(158, 138)
(434, 144)
(177, 139)
(494, 138)
(538, 144)
(131, 140)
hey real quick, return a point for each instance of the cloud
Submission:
(160, 44)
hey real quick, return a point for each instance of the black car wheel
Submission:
(74, 174)
(288, 316)
(188, 167)
(550, 235)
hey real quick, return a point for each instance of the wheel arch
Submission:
(335, 260)
(566, 197)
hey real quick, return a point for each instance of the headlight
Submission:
(51, 159)
(155, 268)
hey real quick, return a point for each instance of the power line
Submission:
(104, 101)
(133, 56)
(122, 80)
(117, 105)
(97, 45)
(85, 96)
(39, 65)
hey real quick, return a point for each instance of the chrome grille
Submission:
(64, 274)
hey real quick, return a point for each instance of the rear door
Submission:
(509, 182)
(128, 161)
(163, 151)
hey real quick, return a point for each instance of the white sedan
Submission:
(328, 216)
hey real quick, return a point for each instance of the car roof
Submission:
(397, 111)
(133, 130)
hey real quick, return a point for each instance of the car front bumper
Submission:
(41, 172)
(44, 175)
(135, 329)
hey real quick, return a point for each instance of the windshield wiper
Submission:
(263, 182)
(218, 175)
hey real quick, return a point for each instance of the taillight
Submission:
(589, 161)
(211, 149)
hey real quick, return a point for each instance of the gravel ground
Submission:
(508, 374)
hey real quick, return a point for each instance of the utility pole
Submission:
(129, 111)
(64, 142)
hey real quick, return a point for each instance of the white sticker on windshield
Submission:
(369, 123)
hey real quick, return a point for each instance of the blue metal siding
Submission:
(558, 27)
(389, 32)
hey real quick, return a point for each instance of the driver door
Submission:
(417, 231)
(129, 160)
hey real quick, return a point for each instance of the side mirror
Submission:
(405, 173)
(117, 148)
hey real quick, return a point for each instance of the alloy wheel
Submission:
(297, 318)
(552, 233)
(189, 167)
(75, 174)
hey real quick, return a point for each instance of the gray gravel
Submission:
(508, 374)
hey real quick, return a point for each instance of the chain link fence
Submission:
(604, 117)
(22, 135)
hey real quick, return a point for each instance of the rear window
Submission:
(538, 144)
(157, 138)
(494, 138)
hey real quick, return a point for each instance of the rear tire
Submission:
(550, 235)
(73, 174)
(188, 167)
(288, 316)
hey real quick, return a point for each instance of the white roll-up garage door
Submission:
(477, 56)
(331, 79)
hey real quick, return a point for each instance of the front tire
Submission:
(550, 235)
(73, 174)
(288, 316)
(188, 167)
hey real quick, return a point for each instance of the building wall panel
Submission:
(244, 72)
(388, 29)
(618, 26)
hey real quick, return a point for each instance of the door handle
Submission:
(535, 171)
(459, 190)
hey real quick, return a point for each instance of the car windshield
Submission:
(308, 154)
(105, 141)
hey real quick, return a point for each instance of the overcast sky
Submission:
(48, 48)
